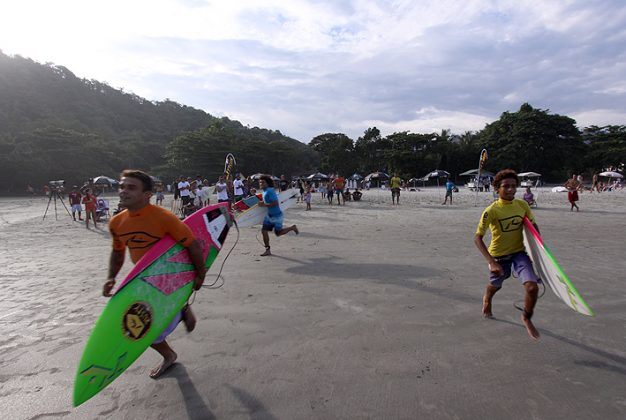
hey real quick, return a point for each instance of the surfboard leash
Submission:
(516, 303)
(219, 275)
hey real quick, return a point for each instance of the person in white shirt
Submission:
(238, 186)
(184, 188)
(222, 191)
(206, 193)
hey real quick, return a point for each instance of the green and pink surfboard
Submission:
(551, 272)
(146, 302)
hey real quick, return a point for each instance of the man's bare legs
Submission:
(489, 292)
(169, 357)
(266, 237)
(532, 290)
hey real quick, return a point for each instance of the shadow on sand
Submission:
(401, 275)
(593, 350)
(255, 408)
(194, 404)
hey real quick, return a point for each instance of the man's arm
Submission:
(195, 252)
(494, 266)
(115, 265)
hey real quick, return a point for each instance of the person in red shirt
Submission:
(340, 183)
(75, 197)
(89, 200)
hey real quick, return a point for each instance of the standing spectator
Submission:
(449, 187)
(184, 188)
(222, 190)
(89, 200)
(594, 183)
(307, 197)
(339, 184)
(283, 184)
(395, 189)
(159, 194)
(175, 187)
(238, 186)
(75, 198)
(205, 193)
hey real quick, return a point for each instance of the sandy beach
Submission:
(373, 311)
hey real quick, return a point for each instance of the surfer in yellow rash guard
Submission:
(504, 218)
(139, 227)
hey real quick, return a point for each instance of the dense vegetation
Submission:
(527, 140)
(54, 125)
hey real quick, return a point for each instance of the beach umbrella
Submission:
(105, 180)
(356, 177)
(611, 174)
(474, 172)
(438, 173)
(318, 176)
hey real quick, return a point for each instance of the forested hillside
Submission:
(54, 125)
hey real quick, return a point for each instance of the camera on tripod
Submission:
(56, 185)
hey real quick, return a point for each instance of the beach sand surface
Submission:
(373, 311)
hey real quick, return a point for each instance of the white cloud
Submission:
(307, 67)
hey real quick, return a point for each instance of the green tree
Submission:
(336, 152)
(534, 140)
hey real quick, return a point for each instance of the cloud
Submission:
(308, 67)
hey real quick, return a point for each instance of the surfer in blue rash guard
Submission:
(274, 218)
(504, 218)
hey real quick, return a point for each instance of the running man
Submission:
(138, 228)
(395, 183)
(274, 218)
(504, 218)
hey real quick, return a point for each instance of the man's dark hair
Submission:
(268, 180)
(504, 174)
(145, 179)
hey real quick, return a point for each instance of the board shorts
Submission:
(572, 196)
(395, 191)
(522, 269)
(274, 223)
(448, 193)
(169, 329)
(76, 208)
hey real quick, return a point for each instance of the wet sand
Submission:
(373, 311)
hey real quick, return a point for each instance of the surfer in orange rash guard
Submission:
(139, 227)
(505, 219)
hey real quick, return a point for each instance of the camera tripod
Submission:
(54, 195)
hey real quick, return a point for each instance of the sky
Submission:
(309, 67)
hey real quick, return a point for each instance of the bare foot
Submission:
(267, 253)
(163, 366)
(189, 318)
(295, 229)
(530, 327)
(487, 309)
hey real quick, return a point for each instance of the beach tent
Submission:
(257, 176)
(376, 177)
(355, 177)
(527, 178)
(529, 174)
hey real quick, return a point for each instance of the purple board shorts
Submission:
(170, 328)
(522, 268)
